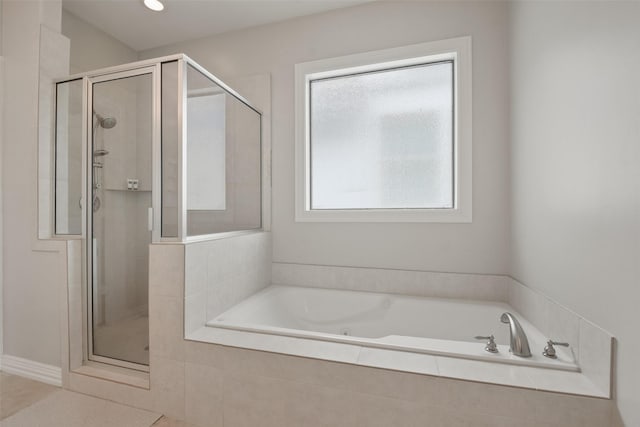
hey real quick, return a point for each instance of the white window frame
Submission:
(459, 51)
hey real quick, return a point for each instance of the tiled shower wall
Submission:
(120, 226)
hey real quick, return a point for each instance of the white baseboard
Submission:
(32, 370)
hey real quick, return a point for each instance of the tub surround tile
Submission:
(423, 389)
(218, 296)
(406, 282)
(195, 279)
(203, 395)
(375, 381)
(486, 372)
(218, 261)
(273, 365)
(280, 344)
(563, 382)
(573, 411)
(279, 361)
(484, 420)
(254, 401)
(480, 405)
(489, 399)
(596, 350)
(532, 305)
(376, 411)
(334, 375)
(313, 405)
(235, 268)
(167, 378)
(200, 353)
(195, 308)
(325, 383)
(564, 326)
(398, 360)
(166, 270)
(166, 329)
(590, 345)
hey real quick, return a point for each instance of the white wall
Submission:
(92, 48)
(575, 167)
(1, 145)
(33, 273)
(34, 270)
(479, 247)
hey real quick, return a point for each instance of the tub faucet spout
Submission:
(519, 342)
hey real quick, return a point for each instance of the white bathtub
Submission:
(422, 325)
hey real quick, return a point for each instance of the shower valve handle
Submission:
(491, 346)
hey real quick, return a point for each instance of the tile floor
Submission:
(17, 393)
(24, 402)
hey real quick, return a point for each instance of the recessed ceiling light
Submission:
(154, 5)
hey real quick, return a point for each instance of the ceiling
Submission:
(140, 28)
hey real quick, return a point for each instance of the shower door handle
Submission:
(150, 219)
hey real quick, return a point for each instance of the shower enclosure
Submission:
(153, 151)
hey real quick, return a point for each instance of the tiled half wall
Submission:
(221, 273)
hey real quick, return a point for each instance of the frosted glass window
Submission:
(383, 139)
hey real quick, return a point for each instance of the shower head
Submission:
(105, 122)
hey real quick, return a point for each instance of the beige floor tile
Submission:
(68, 409)
(17, 393)
(170, 422)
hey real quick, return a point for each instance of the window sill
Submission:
(385, 215)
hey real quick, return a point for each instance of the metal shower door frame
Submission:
(90, 279)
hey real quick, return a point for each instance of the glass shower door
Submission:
(120, 160)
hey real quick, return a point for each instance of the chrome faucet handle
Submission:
(491, 346)
(550, 351)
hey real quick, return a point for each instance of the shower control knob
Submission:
(491, 346)
(550, 351)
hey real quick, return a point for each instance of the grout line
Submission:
(392, 269)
